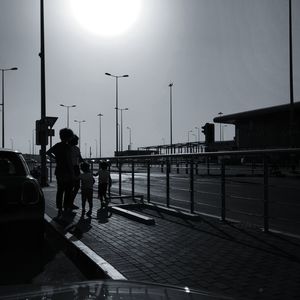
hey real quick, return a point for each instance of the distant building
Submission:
(136, 152)
(264, 128)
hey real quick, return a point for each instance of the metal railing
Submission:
(207, 183)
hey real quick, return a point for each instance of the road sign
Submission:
(50, 121)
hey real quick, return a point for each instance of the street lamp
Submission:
(96, 147)
(79, 131)
(121, 130)
(198, 129)
(33, 143)
(68, 108)
(100, 115)
(4, 70)
(117, 134)
(129, 128)
(189, 135)
(220, 114)
(171, 124)
(12, 143)
(223, 131)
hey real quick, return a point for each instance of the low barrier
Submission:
(258, 186)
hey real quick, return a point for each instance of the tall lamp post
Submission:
(68, 108)
(33, 141)
(198, 129)
(223, 132)
(220, 114)
(116, 108)
(189, 135)
(121, 130)
(171, 120)
(79, 131)
(3, 71)
(291, 76)
(129, 128)
(100, 115)
(96, 148)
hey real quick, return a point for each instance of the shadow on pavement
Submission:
(22, 262)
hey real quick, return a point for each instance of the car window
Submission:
(11, 165)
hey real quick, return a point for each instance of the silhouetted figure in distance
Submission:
(104, 181)
(87, 182)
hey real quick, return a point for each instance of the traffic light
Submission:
(41, 137)
(209, 132)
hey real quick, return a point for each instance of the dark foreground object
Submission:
(107, 290)
(30, 262)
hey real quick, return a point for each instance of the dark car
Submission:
(22, 203)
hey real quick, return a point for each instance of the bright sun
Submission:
(106, 17)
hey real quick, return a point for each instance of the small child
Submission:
(104, 181)
(87, 181)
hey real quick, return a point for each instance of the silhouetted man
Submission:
(64, 170)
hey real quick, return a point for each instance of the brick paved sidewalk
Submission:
(231, 259)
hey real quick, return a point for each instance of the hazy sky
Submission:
(222, 55)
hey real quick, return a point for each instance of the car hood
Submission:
(108, 289)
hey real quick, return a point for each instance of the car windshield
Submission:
(11, 165)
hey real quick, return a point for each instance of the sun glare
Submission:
(106, 17)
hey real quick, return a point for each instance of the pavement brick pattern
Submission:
(231, 259)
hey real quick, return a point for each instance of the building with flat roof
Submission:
(266, 127)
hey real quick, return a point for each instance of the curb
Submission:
(94, 263)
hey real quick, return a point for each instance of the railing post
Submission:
(162, 167)
(109, 187)
(186, 168)
(132, 179)
(266, 195)
(177, 168)
(148, 181)
(223, 197)
(120, 177)
(168, 182)
(197, 172)
(192, 185)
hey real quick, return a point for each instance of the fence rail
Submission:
(256, 186)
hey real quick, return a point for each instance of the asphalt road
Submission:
(244, 195)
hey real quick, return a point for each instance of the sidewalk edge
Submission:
(87, 253)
